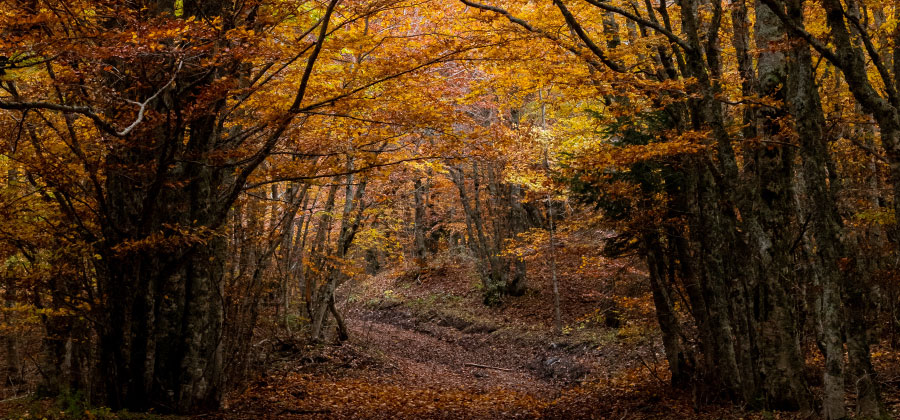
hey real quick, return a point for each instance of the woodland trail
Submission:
(398, 364)
(433, 354)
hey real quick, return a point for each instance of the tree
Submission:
(733, 191)
(145, 124)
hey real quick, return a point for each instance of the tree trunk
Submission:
(492, 274)
(781, 359)
(13, 374)
(517, 282)
(805, 105)
(419, 250)
(676, 354)
(353, 201)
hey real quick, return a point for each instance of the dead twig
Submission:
(293, 411)
(651, 370)
(487, 367)
(14, 398)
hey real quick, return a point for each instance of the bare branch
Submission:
(579, 30)
(143, 105)
(89, 112)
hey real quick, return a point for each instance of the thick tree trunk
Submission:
(164, 326)
(781, 359)
(805, 105)
(161, 275)
(714, 222)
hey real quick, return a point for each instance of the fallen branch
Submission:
(293, 411)
(651, 370)
(18, 397)
(487, 367)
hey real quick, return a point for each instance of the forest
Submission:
(453, 209)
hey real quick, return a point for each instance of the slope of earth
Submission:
(397, 365)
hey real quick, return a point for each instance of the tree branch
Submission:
(241, 178)
(527, 26)
(89, 112)
(876, 59)
(778, 8)
(655, 26)
(343, 173)
(579, 30)
(72, 109)
(143, 105)
(503, 12)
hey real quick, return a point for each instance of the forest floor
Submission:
(425, 347)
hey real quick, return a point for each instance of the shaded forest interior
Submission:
(641, 209)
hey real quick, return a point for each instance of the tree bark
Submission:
(676, 354)
(781, 359)
(809, 121)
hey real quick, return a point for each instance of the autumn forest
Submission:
(416, 209)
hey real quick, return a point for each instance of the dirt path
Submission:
(401, 364)
(429, 354)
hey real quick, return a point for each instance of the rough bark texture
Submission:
(826, 225)
(781, 361)
(165, 311)
(680, 361)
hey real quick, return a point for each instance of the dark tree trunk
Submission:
(165, 308)
(419, 250)
(517, 282)
(12, 376)
(781, 362)
(680, 362)
(826, 226)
